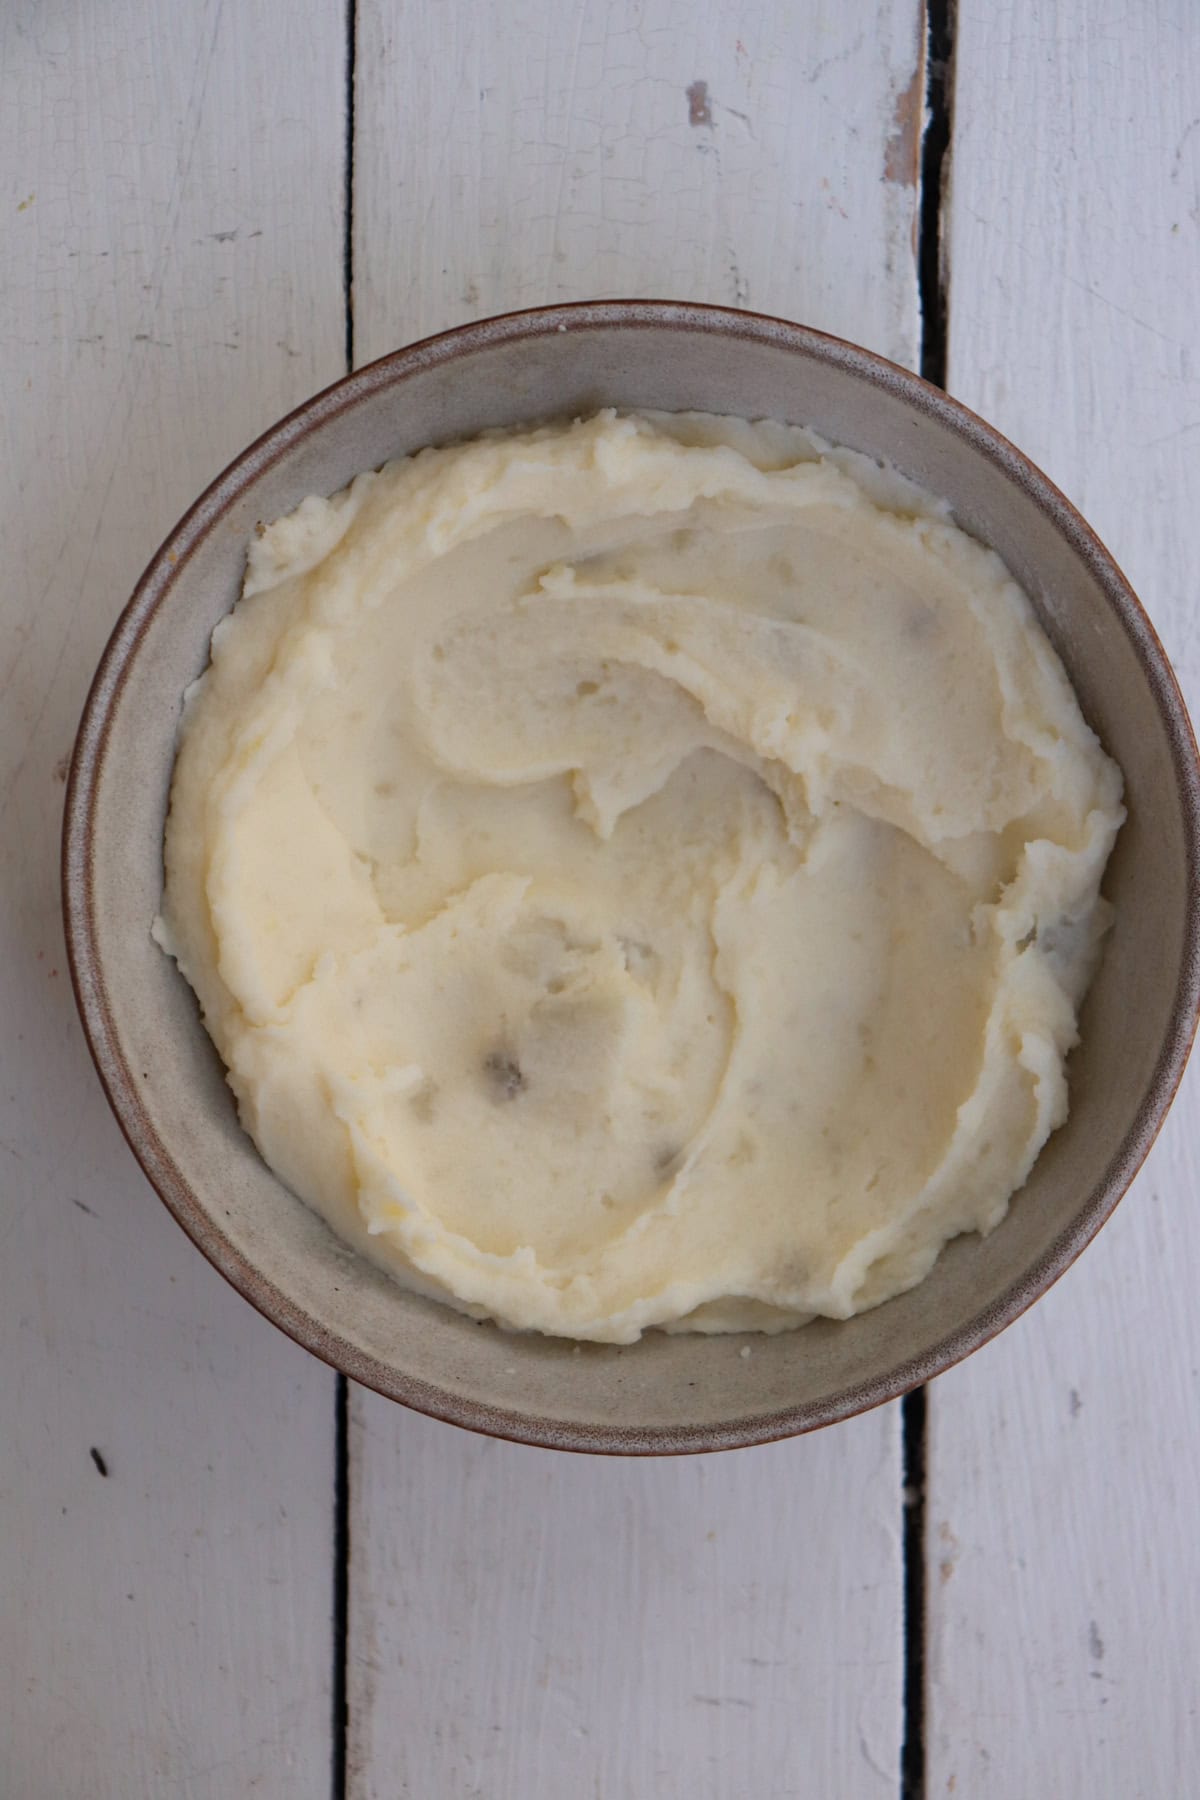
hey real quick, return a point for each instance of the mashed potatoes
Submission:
(639, 873)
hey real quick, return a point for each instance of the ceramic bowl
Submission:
(166, 1084)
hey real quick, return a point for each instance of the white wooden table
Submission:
(215, 1579)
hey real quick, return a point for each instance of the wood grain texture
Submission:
(525, 1625)
(172, 281)
(1065, 1459)
(528, 1625)
(763, 156)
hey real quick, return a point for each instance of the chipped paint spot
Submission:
(833, 204)
(902, 157)
(699, 104)
(950, 1547)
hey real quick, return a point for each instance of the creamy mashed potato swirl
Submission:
(639, 873)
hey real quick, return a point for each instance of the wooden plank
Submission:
(1064, 1459)
(512, 156)
(524, 1625)
(527, 1625)
(171, 228)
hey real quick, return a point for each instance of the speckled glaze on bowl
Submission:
(165, 1083)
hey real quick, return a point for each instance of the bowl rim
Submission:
(88, 979)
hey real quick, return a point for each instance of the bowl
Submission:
(166, 1084)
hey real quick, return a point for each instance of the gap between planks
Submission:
(340, 1723)
(933, 298)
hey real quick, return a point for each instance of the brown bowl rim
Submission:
(87, 974)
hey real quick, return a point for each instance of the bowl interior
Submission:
(665, 1393)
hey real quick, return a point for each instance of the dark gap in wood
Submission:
(912, 1753)
(339, 1773)
(933, 290)
(348, 200)
(341, 1587)
(935, 158)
